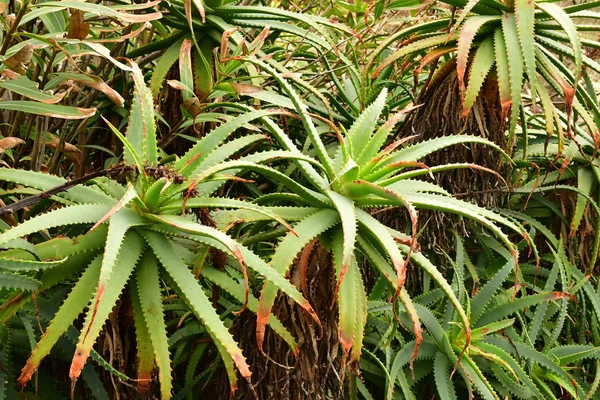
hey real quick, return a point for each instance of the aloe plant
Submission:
(363, 174)
(150, 233)
(507, 42)
(510, 354)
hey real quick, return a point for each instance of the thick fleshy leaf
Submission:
(560, 16)
(195, 297)
(465, 40)
(524, 13)
(150, 297)
(480, 67)
(141, 129)
(361, 131)
(286, 252)
(345, 208)
(515, 67)
(104, 301)
(74, 304)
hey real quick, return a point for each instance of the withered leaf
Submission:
(9, 143)
(96, 83)
(78, 29)
(19, 61)
(3, 5)
(71, 152)
(193, 106)
(245, 89)
(52, 142)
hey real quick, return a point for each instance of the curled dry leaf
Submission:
(176, 85)
(8, 74)
(193, 106)
(10, 19)
(52, 141)
(224, 48)
(98, 84)
(71, 152)
(78, 28)
(246, 89)
(3, 5)
(19, 61)
(9, 143)
(121, 38)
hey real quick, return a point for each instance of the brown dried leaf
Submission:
(9, 143)
(225, 43)
(176, 84)
(78, 29)
(52, 141)
(7, 73)
(98, 84)
(193, 106)
(18, 62)
(10, 20)
(3, 5)
(245, 89)
(123, 38)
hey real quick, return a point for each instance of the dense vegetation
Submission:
(394, 199)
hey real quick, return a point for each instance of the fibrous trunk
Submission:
(278, 374)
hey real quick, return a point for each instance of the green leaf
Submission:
(488, 291)
(423, 149)
(118, 225)
(26, 265)
(441, 373)
(377, 140)
(8, 280)
(211, 202)
(104, 301)
(41, 181)
(71, 215)
(74, 304)
(379, 232)
(346, 297)
(502, 69)
(465, 40)
(186, 75)
(515, 67)
(164, 64)
(418, 45)
(570, 354)
(195, 297)
(141, 129)
(145, 351)
(585, 181)
(47, 110)
(302, 111)
(560, 16)
(480, 67)
(237, 290)
(23, 86)
(188, 226)
(130, 152)
(286, 252)
(189, 164)
(361, 130)
(504, 310)
(150, 298)
(524, 13)
(515, 368)
(345, 208)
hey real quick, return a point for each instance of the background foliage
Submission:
(316, 200)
